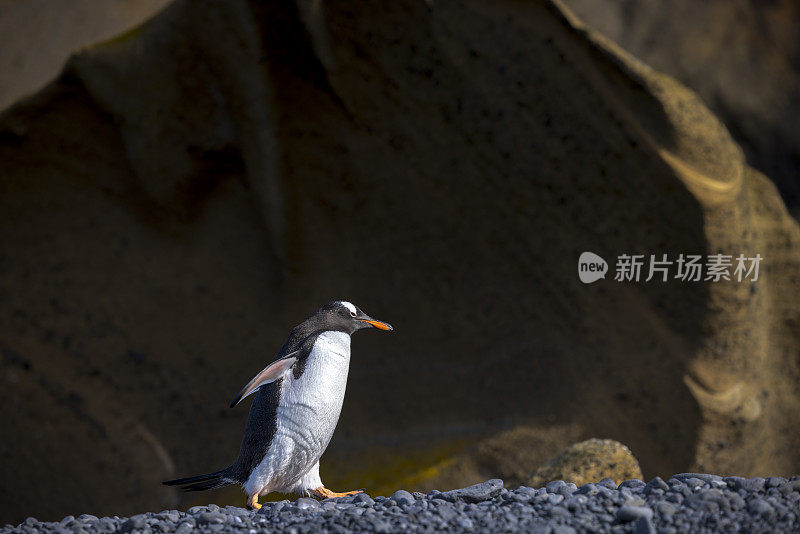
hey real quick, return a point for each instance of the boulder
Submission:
(589, 461)
(511, 455)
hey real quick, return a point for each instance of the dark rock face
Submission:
(742, 58)
(183, 195)
(39, 35)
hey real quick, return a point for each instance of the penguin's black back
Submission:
(261, 426)
(262, 420)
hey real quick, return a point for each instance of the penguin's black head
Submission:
(346, 317)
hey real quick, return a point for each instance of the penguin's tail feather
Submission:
(202, 482)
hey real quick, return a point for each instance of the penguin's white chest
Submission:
(311, 404)
(307, 413)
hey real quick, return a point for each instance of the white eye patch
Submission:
(349, 306)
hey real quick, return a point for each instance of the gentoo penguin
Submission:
(297, 405)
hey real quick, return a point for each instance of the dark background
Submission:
(181, 195)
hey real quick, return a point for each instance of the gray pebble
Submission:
(736, 501)
(754, 484)
(465, 523)
(171, 515)
(477, 493)
(665, 508)
(363, 498)
(605, 493)
(275, 507)
(760, 507)
(630, 513)
(694, 482)
(644, 526)
(703, 477)
(210, 518)
(307, 504)
(633, 483)
(605, 518)
(402, 497)
(558, 511)
(587, 489)
(656, 483)
(575, 502)
(564, 529)
(381, 527)
(735, 483)
(773, 482)
(135, 522)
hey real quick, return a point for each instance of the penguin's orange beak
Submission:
(378, 324)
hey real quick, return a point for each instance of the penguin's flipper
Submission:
(271, 373)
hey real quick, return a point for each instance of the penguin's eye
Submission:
(352, 314)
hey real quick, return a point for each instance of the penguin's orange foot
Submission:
(324, 493)
(252, 503)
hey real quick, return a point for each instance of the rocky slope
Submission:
(688, 502)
